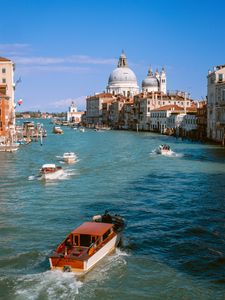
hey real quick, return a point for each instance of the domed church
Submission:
(155, 82)
(122, 80)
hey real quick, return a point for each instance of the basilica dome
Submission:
(122, 80)
(122, 75)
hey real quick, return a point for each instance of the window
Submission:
(3, 80)
(220, 77)
(3, 70)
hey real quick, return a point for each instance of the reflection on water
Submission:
(174, 243)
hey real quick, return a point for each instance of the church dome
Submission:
(122, 75)
(150, 80)
(122, 80)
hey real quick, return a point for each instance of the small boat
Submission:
(69, 157)
(57, 130)
(164, 150)
(87, 244)
(50, 171)
(13, 147)
(82, 129)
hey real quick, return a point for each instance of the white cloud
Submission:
(49, 68)
(74, 59)
(14, 49)
(80, 102)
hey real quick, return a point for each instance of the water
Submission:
(174, 242)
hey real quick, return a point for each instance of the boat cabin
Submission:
(86, 239)
(48, 168)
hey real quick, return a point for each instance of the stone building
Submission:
(7, 103)
(74, 116)
(202, 120)
(216, 104)
(94, 108)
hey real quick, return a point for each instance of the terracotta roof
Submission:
(172, 107)
(4, 59)
(101, 95)
(92, 228)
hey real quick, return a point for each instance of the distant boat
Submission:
(87, 244)
(164, 150)
(82, 129)
(50, 172)
(57, 130)
(9, 147)
(69, 157)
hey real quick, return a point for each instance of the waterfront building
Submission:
(154, 82)
(4, 116)
(144, 103)
(94, 108)
(122, 80)
(115, 112)
(159, 118)
(216, 104)
(128, 114)
(7, 86)
(74, 116)
(173, 119)
(202, 120)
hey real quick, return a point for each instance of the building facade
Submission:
(216, 104)
(7, 86)
(94, 108)
(73, 116)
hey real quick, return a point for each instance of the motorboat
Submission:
(87, 244)
(69, 157)
(13, 147)
(51, 172)
(164, 150)
(57, 130)
(82, 129)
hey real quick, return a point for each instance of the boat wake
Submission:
(65, 176)
(168, 154)
(47, 285)
(109, 266)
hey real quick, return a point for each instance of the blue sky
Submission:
(65, 50)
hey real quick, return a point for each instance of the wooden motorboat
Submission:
(51, 171)
(164, 150)
(69, 157)
(57, 130)
(88, 244)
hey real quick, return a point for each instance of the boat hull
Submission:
(51, 176)
(80, 267)
(69, 160)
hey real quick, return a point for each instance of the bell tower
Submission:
(162, 81)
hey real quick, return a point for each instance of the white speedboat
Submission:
(69, 157)
(87, 244)
(164, 150)
(50, 172)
